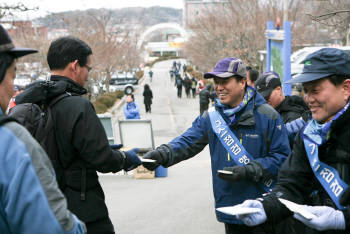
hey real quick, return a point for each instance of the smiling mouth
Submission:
(314, 108)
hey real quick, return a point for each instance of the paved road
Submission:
(183, 201)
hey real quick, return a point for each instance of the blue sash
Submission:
(326, 175)
(233, 146)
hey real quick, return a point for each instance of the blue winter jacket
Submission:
(131, 110)
(30, 201)
(262, 133)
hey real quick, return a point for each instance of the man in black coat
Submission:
(204, 98)
(320, 160)
(293, 109)
(82, 142)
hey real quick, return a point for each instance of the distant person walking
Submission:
(187, 84)
(150, 75)
(200, 85)
(178, 83)
(131, 108)
(147, 98)
(193, 86)
(204, 98)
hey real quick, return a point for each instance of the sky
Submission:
(49, 6)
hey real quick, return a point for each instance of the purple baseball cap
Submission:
(226, 68)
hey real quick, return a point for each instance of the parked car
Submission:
(123, 81)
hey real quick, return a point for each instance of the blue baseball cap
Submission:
(323, 63)
(226, 68)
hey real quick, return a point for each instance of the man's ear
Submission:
(346, 87)
(73, 66)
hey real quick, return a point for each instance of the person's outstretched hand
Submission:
(132, 160)
(327, 218)
(253, 219)
(155, 155)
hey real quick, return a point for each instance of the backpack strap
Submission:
(83, 167)
(50, 118)
(5, 118)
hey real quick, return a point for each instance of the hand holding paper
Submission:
(155, 156)
(253, 219)
(326, 218)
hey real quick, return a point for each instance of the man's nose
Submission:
(308, 98)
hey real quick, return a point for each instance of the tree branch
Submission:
(328, 15)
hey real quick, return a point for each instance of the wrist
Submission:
(346, 213)
(123, 158)
(341, 221)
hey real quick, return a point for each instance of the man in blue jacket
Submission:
(246, 137)
(30, 200)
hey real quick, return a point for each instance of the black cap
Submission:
(266, 83)
(323, 63)
(6, 45)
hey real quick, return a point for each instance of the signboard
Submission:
(106, 120)
(278, 47)
(136, 133)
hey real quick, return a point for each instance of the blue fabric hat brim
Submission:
(307, 77)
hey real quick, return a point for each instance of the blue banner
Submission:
(233, 146)
(326, 175)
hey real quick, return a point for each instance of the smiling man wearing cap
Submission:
(247, 140)
(320, 160)
(30, 200)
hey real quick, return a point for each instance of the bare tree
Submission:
(238, 29)
(114, 47)
(335, 14)
(9, 9)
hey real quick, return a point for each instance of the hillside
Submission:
(132, 15)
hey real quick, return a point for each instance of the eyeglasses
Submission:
(88, 67)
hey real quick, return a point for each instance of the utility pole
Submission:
(285, 11)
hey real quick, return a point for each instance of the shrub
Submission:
(119, 94)
(189, 69)
(139, 74)
(107, 100)
(100, 108)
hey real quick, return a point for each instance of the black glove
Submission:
(238, 173)
(155, 155)
(252, 171)
(345, 198)
(116, 146)
(132, 160)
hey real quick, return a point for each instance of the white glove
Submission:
(253, 219)
(327, 218)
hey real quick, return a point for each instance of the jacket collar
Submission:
(245, 116)
(71, 86)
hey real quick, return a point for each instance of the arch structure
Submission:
(176, 26)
